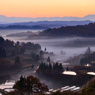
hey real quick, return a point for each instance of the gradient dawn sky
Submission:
(46, 8)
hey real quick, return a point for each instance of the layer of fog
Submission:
(71, 46)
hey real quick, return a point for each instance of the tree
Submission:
(88, 51)
(21, 83)
(30, 84)
(67, 69)
(2, 52)
(37, 47)
(17, 43)
(17, 62)
(37, 58)
(33, 55)
(22, 50)
(48, 59)
(8, 43)
(41, 53)
(50, 68)
(45, 49)
(1, 42)
(13, 53)
(60, 68)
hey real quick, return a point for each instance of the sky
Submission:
(47, 8)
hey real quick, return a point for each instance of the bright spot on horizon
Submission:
(69, 73)
(91, 73)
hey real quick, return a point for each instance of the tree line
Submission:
(79, 30)
(50, 68)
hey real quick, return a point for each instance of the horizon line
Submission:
(47, 17)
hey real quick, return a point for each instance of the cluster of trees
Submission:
(29, 85)
(39, 56)
(5, 64)
(2, 49)
(17, 62)
(49, 69)
(79, 30)
(2, 52)
(32, 85)
(20, 48)
(7, 47)
(32, 46)
(35, 57)
(14, 50)
(88, 58)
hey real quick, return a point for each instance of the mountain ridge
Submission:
(45, 24)
(4, 19)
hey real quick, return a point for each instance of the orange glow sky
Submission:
(46, 8)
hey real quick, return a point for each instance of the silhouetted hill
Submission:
(79, 30)
(4, 19)
(44, 24)
(23, 27)
(54, 24)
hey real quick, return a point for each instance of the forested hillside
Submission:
(69, 31)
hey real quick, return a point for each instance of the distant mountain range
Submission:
(23, 27)
(4, 19)
(87, 30)
(42, 24)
